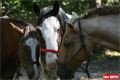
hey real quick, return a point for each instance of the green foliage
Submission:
(22, 9)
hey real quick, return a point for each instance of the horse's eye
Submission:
(67, 44)
(58, 30)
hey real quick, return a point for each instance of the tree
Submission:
(22, 9)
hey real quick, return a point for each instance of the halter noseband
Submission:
(48, 50)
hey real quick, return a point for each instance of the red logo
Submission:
(111, 76)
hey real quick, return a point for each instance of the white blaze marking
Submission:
(49, 31)
(32, 43)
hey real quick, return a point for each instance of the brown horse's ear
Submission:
(71, 27)
(17, 29)
(36, 9)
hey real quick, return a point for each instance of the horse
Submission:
(29, 55)
(50, 26)
(99, 27)
(10, 37)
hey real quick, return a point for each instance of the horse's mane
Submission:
(102, 11)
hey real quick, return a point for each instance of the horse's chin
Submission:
(64, 73)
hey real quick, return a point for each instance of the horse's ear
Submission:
(55, 9)
(36, 9)
(74, 15)
(71, 27)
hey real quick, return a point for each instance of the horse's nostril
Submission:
(57, 61)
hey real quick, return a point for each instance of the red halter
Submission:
(48, 50)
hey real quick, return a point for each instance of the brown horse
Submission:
(10, 37)
(84, 34)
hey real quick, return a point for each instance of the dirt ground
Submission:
(99, 67)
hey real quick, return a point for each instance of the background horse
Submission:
(10, 37)
(29, 55)
(83, 35)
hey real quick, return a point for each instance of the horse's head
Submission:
(29, 52)
(72, 50)
(48, 25)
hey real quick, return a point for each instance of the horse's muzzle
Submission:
(51, 66)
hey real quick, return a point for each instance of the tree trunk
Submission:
(98, 3)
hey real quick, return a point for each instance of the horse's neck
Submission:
(103, 30)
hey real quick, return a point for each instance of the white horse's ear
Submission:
(74, 15)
